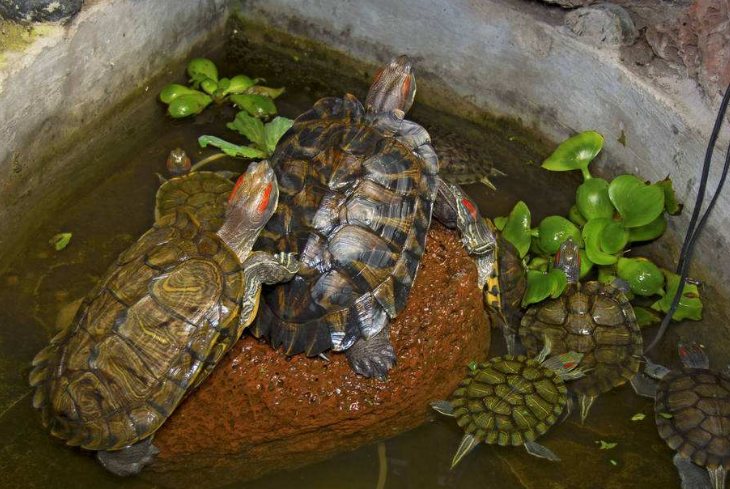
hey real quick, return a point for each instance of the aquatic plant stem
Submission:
(207, 160)
(586, 174)
(383, 466)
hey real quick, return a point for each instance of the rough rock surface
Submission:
(39, 10)
(261, 411)
(570, 3)
(604, 24)
(698, 39)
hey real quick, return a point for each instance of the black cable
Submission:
(694, 228)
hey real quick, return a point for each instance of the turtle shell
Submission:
(203, 193)
(506, 287)
(509, 400)
(693, 415)
(596, 320)
(157, 321)
(355, 201)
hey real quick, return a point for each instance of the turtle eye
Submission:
(265, 200)
(470, 207)
(236, 187)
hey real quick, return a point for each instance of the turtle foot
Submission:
(692, 476)
(130, 460)
(373, 357)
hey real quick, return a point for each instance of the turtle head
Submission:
(393, 88)
(693, 355)
(566, 365)
(568, 260)
(178, 162)
(253, 200)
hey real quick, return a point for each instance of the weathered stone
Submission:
(604, 24)
(261, 411)
(39, 10)
(569, 3)
(700, 40)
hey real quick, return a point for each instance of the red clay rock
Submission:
(261, 411)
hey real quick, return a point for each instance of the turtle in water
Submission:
(592, 318)
(156, 325)
(692, 409)
(505, 286)
(512, 400)
(358, 188)
(462, 162)
(203, 193)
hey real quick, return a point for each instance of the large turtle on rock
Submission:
(358, 188)
(156, 325)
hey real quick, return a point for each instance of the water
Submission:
(116, 209)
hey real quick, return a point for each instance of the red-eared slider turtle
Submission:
(594, 319)
(357, 194)
(156, 325)
(178, 162)
(692, 408)
(512, 400)
(358, 186)
(505, 286)
(462, 161)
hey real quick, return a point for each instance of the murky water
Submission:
(107, 219)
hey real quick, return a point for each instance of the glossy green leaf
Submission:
(272, 93)
(251, 128)
(638, 203)
(500, 222)
(540, 263)
(60, 241)
(541, 285)
(239, 84)
(256, 105)
(173, 91)
(517, 228)
(553, 230)
(229, 148)
(187, 105)
(275, 130)
(646, 317)
(209, 86)
(472, 365)
(576, 217)
(586, 265)
(606, 274)
(643, 276)
(614, 237)
(649, 231)
(666, 415)
(592, 199)
(200, 68)
(575, 153)
(592, 238)
(690, 305)
(671, 204)
(605, 445)
(638, 417)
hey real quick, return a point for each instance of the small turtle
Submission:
(505, 286)
(203, 193)
(178, 162)
(462, 162)
(512, 400)
(594, 319)
(692, 410)
(156, 325)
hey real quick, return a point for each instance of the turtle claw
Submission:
(373, 357)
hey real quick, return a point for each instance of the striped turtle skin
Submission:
(203, 193)
(357, 194)
(509, 400)
(142, 338)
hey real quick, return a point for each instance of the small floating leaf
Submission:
(239, 84)
(592, 199)
(187, 105)
(605, 445)
(613, 462)
(554, 230)
(540, 263)
(638, 417)
(209, 86)
(586, 265)
(671, 204)
(649, 231)
(256, 105)
(517, 228)
(638, 203)
(274, 130)
(272, 93)
(592, 236)
(575, 153)
(60, 241)
(201, 68)
(249, 127)
(614, 237)
(690, 305)
(173, 91)
(541, 285)
(472, 365)
(645, 317)
(576, 217)
(229, 148)
(643, 276)
(666, 415)
(500, 222)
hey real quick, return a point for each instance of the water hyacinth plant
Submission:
(606, 218)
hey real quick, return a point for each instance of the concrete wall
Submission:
(76, 82)
(515, 58)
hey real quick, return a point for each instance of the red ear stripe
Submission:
(406, 86)
(470, 207)
(235, 188)
(267, 196)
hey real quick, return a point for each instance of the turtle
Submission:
(692, 412)
(156, 325)
(358, 186)
(462, 162)
(505, 286)
(512, 400)
(591, 318)
(178, 162)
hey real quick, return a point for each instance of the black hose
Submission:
(694, 228)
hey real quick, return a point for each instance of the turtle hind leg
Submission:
(540, 451)
(372, 357)
(586, 402)
(468, 443)
(717, 477)
(129, 460)
(644, 386)
(692, 476)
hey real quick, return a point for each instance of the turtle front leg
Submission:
(372, 357)
(129, 460)
(263, 268)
